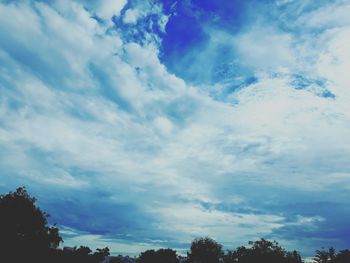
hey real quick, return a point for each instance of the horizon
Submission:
(142, 124)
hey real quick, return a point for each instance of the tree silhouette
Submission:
(25, 233)
(293, 257)
(205, 250)
(100, 254)
(82, 254)
(343, 256)
(262, 251)
(325, 256)
(159, 256)
(331, 256)
(116, 260)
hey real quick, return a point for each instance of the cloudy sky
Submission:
(143, 124)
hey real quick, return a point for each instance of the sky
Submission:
(143, 124)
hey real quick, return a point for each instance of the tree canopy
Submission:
(158, 256)
(262, 251)
(332, 256)
(205, 250)
(24, 227)
(26, 236)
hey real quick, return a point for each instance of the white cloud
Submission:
(332, 15)
(131, 16)
(188, 221)
(108, 8)
(265, 48)
(138, 13)
(164, 125)
(74, 238)
(57, 178)
(283, 2)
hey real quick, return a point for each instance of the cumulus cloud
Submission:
(265, 48)
(131, 16)
(106, 9)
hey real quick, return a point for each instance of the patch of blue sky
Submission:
(101, 217)
(316, 86)
(186, 31)
(99, 212)
(318, 221)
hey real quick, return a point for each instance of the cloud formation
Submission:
(121, 150)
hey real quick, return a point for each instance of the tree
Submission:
(82, 254)
(262, 251)
(100, 254)
(205, 250)
(331, 256)
(159, 256)
(343, 256)
(293, 257)
(25, 233)
(325, 256)
(116, 260)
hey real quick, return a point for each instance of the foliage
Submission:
(343, 256)
(159, 256)
(262, 251)
(325, 256)
(331, 256)
(205, 250)
(116, 260)
(82, 254)
(25, 233)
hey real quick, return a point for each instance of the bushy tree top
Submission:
(158, 256)
(205, 250)
(23, 224)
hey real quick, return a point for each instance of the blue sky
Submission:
(145, 124)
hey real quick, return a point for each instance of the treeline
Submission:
(25, 236)
(207, 250)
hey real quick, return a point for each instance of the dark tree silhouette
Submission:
(325, 256)
(159, 256)
(331, 256)
(116, 260)
(100, 254)
(343, 256)
(25, 233)
(82, 254)
(293, 257)
(262, 251)
(205, 250)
